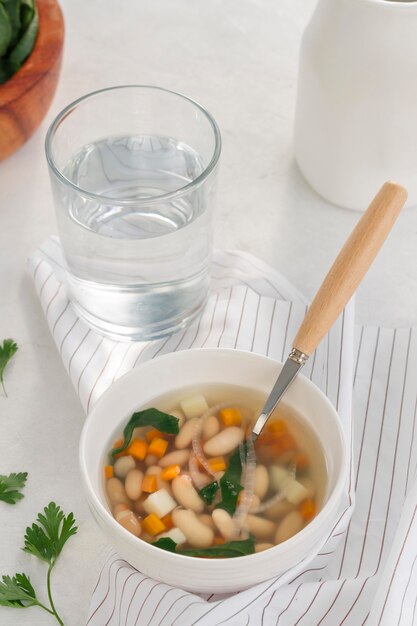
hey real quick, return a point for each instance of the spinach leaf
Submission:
(165, 543)
(208, 492)
(149, 417)
(226, 550)
(230, 484)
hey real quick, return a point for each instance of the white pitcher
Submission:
(356, 114)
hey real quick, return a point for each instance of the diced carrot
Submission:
(167, 521)
(217, 464)
(138, 449)
(108, 471)
(301, 461)
(278, 427)
(170, 472)
(158, 447)
(118, 443)
(153, 525)
(287, 442)
(308, 509)
(150, 483)
(230, 416)
(152, 434)
(218, 541)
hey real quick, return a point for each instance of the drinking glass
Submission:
(133, 173)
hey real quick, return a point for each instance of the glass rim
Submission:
(127, 202)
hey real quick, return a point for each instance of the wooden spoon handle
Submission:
(350, 266)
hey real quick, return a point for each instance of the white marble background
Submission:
(239, 59)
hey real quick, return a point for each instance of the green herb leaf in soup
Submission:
(230, 484)
(208, 492)
(149, 417)
(227, 550)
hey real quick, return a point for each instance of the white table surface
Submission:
(239, 59)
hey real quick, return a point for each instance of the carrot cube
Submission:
(170, 472)
(308, 509)
(138, 449)
(217, 464)
(153, 525)
(301, 461)
(108, 471)
(287, 442)
(152, 434)
(278, 427)
(158, 447)
(218, 541)
(231, 417)
(150, 483)
(167, 521)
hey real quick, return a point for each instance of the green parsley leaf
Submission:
(149, 417)
(208, 492)
(9, 486)
(230, 484)
(165, 543)
(17, 592)
(227, 550)
(7, 350)
(46, 539)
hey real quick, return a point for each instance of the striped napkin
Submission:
(365, 571)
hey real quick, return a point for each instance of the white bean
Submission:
(133, 484)
(211, 427)
(178, 457)
(260, 547)
(224, 523)
(123, 465)
(261, 528)
(186, 434)
(186, 495)
(207, 519)
(290, 525)
(198, 534)
(261, 481)
(224, 442)
(118, 508)
(194, 406)
(130, 522)
(116, 491)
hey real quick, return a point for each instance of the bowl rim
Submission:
(22, 81)
(331, 504)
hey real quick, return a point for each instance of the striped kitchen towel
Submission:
(366, 570)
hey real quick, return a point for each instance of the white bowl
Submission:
(180, 370)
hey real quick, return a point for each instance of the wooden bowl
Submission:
(26, 96)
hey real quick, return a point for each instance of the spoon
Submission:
(342, 280)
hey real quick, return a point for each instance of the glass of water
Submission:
(133, 173)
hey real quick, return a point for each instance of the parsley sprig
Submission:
(45, 540)
(10, 485)
(7, 350)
